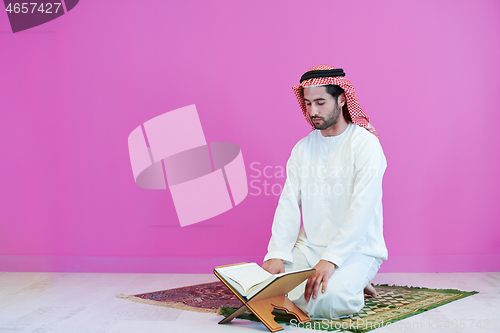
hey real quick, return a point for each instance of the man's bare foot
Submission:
(370, 292)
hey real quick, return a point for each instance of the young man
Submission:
(334, 180)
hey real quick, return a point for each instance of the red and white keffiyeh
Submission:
(357, 115)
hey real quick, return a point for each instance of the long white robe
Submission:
(336, 183)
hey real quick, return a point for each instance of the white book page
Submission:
(247, 275)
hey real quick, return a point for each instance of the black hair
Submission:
(335, 91)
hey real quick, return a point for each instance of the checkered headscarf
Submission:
(357, 115)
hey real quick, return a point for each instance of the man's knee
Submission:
(340, 300)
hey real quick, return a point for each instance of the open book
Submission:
(249, 279)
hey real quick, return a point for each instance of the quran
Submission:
(261, 292)
(249, 279)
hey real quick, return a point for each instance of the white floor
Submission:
(87, 302)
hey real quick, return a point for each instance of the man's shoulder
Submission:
(308, 139)
(366, 146)
(304, 144)
(360, 136)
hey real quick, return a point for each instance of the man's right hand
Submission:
(274, 266)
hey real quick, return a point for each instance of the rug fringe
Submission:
(173, 305)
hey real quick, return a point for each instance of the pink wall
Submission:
(71, 91)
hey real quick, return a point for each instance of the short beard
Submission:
(330, 121)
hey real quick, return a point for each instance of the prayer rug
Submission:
(394, 303)
(205, 297)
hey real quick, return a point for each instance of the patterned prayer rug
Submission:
(393, 304)
(205, 297)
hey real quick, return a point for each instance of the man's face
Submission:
(322, 107)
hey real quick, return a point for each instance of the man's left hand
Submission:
(324, 270)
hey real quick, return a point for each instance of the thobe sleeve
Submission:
(286, 223)
(369, 164)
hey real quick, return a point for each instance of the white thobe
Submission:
(336, 183)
